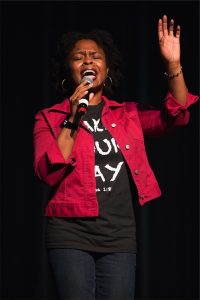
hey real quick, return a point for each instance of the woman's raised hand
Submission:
(169, 41)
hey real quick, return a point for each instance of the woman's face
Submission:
(88, 59)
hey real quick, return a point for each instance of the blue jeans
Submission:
(84, 275)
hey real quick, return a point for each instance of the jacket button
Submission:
(136, 172)
(127, 147)
(142, 196)
(113, 125)
(73, 161)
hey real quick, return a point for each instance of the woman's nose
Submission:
(87, 61)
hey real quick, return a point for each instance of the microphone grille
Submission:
(87, 78)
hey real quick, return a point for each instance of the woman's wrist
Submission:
(172, 68)
(174, 74)
(69, 123)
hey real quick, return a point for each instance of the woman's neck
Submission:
(96, 99)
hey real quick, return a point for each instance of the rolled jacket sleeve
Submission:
(174, 108)
(158, 122)
(49, 164)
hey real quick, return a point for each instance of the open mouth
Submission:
(89, 73)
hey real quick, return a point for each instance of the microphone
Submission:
(83, 103)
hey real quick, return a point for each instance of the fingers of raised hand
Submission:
(171, 27)
(164, 25)
(163, 28)
(160, 29)
(178, 31)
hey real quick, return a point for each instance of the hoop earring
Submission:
(63, 84)
(110, 79)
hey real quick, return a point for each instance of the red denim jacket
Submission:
(73, 180)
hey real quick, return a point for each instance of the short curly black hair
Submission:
(103, 40)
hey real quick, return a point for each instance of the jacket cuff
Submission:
(55, 156)
(174, 107)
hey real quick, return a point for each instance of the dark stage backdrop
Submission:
(168, 229)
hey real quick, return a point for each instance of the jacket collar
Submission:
(111, 103)
(63, 107)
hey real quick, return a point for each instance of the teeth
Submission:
(89, 72)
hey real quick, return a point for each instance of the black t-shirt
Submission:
(114, 230)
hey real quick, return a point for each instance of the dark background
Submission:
(168, 231)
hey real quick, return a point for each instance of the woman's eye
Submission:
(77, 57)
(96, 56)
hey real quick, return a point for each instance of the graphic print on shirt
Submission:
(108, 157)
